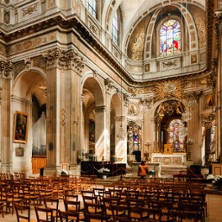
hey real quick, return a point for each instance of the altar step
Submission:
(168, 171)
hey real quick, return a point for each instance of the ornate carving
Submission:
(170, 63)
(64, 59)
(108, 84)
(201, 28)
(32, 43)
(51, 3)
(27, 64)
(168, 108)
(6, 69)
(39, 62)
(134, 91)
(7, 17)
(137, 46)
(93, 28)
(18, 67)
(126, 99)
(63, 117)
(29, 10)
(168, 89)
(133, 110)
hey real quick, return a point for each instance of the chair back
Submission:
(44, 214)
(69, 216)
(22, 212)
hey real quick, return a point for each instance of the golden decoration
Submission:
(168, 89)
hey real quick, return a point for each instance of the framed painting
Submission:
(20, 127)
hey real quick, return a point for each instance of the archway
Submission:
(29, 98)
(170, 128)
(94, 120)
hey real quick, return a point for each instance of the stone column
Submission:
(101, 133)
(63, 106)
(5, 112)
(121, 139)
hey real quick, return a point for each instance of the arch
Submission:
(116, 102)
(165, 112)
(29, 96)
(94, 86)
(28, 83)
(154, 7)
(189, 25)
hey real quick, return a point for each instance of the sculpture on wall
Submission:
(168, 89)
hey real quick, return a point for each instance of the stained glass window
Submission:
(170, 37)
(177, 134)
(91, 6)
(115, 29)
(134, 138)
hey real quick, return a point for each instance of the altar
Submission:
(169, 164)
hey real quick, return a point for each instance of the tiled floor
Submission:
(214, 205)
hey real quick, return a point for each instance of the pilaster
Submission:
(5, 110)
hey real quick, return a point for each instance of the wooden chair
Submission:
(52, 204)
(44, 214)
(2, 208)
(120, 213)
(72, 206)
(23, 213)
(72, 197)
(68, 216)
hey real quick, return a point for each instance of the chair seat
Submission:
(32, 220)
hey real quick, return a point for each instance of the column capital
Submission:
(65, 60)
(6, 68)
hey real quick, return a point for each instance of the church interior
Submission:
(90, 88)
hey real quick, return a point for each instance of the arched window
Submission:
(91, 6)
(115, 28)
(170, 37)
